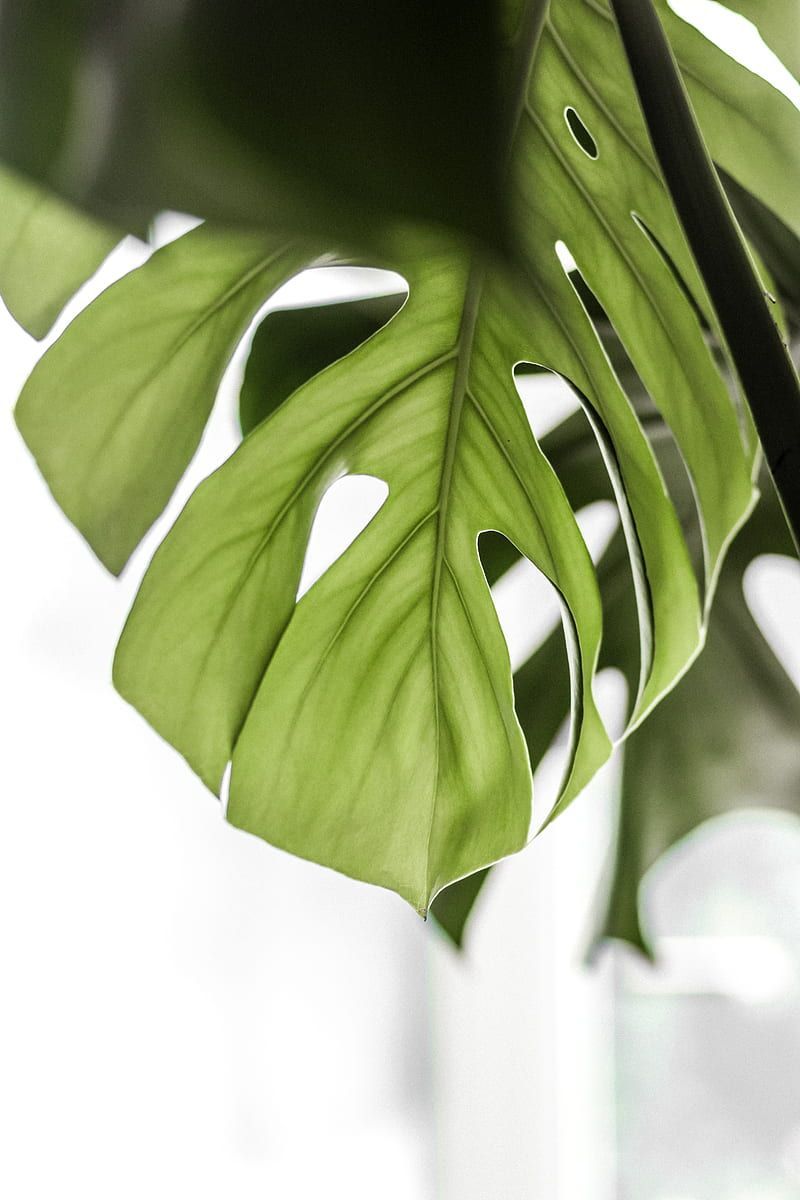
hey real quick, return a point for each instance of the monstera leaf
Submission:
(728, 735)
(371, 724)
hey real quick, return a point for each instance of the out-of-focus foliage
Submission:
(308, 115)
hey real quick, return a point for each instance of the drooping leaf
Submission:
(46, 252)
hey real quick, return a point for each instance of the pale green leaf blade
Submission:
(778, 22)
(47, 250)
(752, 130)
(115, 409)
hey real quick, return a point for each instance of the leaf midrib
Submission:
(464, 346)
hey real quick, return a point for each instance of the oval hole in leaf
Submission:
(344, 512)
(580, 133)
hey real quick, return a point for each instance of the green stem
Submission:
(754, 341)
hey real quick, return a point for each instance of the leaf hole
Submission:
(580, 133)
(315, 319)
(546, 397)
(526, 603)
(532, 618)
(677, 275)
(343, 513)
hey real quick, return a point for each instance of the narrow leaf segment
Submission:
(752, 335)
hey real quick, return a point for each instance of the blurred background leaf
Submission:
(300, 114)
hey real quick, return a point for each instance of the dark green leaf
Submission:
(299, 115)
(351, 717)
(728, 737)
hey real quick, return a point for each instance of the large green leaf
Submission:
(352, 717)
(371, 725)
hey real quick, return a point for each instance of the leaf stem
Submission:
(753, 339)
